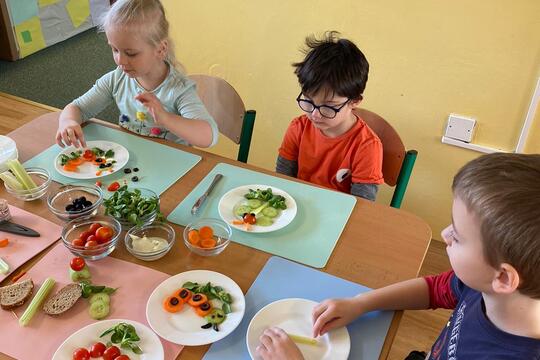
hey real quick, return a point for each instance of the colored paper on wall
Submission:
(22, 10)
(78, 10)
(43, 3)
(29, 36)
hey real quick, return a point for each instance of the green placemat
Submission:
(159, 165)
(308, 239)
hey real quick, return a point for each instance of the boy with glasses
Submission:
(329, 145)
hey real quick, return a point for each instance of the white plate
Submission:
(294, 316)
(235, 196)
(88, 170)
(184, 327)
(89, 335)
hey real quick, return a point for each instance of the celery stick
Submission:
(21, 174)
(4, 267)
(303, 340)
(11, 181)
(260, 208)
(42, 293)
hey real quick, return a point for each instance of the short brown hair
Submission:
(503, 190)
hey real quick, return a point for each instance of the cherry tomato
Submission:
(104, 234)
(81, 354)
(122, 357)
(93, 228)
(250, 219)
(98, 183)
(85, 234)
(78, 242)
(89, 155)
(114, 186)
(97, 350)
(90, 244)
(77, 263)
(111, 353)
(92, 238)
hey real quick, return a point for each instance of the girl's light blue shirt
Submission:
(176, 93)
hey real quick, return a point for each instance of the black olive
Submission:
(174, 301)
(184, 293)
(197, 297)
(252, 214)
(216, 327)
(127, 171)
(135, 169)
(205, 306)
(82, 199)
(135, 178)
(70, 207)
(207, 326)
(244, 215)
(87, 203)
(102, 166)
(98, 160)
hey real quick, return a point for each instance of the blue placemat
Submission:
(308, 239)
(159, 165)
(281, 279)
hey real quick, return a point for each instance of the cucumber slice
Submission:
(270, 212)
(100, 297)
(98, 310)
(217, 316)
(264, 221)
(77, 276)
(254, 203)
(241, 210)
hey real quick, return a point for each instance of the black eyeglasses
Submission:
(328, 112)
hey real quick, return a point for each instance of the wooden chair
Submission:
(227, 108)
(397, 162)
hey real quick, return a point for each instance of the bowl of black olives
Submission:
(72, 201)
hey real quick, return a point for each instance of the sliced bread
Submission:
(63, 300)
(16, 294)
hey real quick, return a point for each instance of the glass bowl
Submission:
(146, 219)
(65, 195)
(222, 235)
(8, 151)
(73, 230)
(41, 177)
(155, 229)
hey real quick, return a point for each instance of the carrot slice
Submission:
(69, 167)
(173, 304)
(203, 309)
(76, 162)
(193, 237)
(4, 242)
(183, 294)
(238, 222)
(197, 300)
(208, 243)
(206, 232)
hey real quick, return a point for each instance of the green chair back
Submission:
(227, 108)
(397, 162)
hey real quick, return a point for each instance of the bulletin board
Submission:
(40, 23)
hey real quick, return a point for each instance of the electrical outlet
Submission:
(460, 127)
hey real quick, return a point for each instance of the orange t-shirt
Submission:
(353, 157)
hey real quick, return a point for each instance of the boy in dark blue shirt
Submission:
(494, 288)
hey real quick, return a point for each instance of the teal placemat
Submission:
(308, 239)
(159, 165)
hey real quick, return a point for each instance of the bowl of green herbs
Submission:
(133, 206)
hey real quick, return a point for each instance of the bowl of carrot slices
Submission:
(207, 236)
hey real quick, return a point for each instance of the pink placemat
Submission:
(45, 334)
(22, 248)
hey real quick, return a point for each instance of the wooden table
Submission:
(380, 245)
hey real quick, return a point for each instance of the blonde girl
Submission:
(153, 95)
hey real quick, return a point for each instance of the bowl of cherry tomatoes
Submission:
(91, 237)
(207, 236)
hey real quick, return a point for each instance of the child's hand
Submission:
(276, 345)
(70, 133)
(333, 314)
(153, 105)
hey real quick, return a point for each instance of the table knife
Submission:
(202, 199)
(18, 229)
